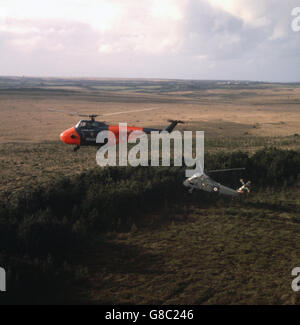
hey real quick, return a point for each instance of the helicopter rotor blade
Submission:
(72, 113)
(83, 115)
(93, 116)
(64, 111)
(225, 170)
(131, 111)
(105, 114)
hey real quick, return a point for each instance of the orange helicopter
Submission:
(85, 132)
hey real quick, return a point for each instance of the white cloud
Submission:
(100, 14)
(165, 38)
(166, 10)
(142, 26)
(105, 48)
(251, 12)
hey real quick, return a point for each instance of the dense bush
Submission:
(49, 220)
(275, 167)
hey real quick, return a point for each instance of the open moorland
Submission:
(237, 109)
(64, 239)
(234, 116)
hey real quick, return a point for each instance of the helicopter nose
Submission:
(186, 183)
(70, 136)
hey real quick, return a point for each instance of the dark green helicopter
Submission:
(202, 181)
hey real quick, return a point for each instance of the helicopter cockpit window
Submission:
(89, 124)
(193, 179)
(195, 176)
(81, 124)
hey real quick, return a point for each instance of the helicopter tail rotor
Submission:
(245, 187)
(172, 125)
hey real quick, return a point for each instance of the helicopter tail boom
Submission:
(172, 125)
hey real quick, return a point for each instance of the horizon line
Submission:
(145, 78)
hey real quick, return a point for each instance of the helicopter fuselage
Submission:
(85, 132)
(205, 183)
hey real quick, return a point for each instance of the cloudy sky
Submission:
(184, 39)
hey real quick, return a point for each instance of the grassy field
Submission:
(220, 109)
(218, 252)
(230, 253)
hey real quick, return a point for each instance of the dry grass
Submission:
(31, 152)
(269, 111)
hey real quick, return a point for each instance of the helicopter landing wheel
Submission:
(76, 148)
